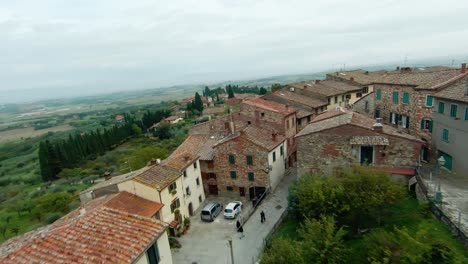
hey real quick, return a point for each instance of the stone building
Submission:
(341, 138)
(335, 93)
(307, 107)
(365, 105)
(450, 129)
(249, 161)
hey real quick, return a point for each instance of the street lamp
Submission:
(438, 194)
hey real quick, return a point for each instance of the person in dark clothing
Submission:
(240, 229)
(262, 217)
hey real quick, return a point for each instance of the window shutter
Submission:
(422, 123)
(407, 122)
(178, 203)
(430, 125)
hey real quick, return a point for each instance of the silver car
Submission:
(233, 209)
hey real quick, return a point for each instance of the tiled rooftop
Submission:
(301, 99)
(93, 234)
(263, 137)
(326, 87)
(132, 204)
(158, 176)
(180, 162)
(271, 106)
(427, 78)
(361, 77)
(455, 92)
(339, 117)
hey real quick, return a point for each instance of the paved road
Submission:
(207, 243)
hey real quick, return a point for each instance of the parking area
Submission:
(210, 239)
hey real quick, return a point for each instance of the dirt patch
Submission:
(19, 133)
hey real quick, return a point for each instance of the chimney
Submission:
(107, 176)
(186, 157)
(367, 72)
(273, 136)
(351, 79)
(378, 127)
(305, 86)
(463, 68)
(317, 81)
(397, 68)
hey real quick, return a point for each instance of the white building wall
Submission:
(278, 167)
(196, 190)
(164, 251)
(167, 198)
(140, 190)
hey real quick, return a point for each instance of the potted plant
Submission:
(187, 222)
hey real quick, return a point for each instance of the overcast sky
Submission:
(104, 45)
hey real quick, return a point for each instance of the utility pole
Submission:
(232, 252)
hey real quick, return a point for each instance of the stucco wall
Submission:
(191, 182)
(278, 166)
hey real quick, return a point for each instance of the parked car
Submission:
(233, 209)
(210, 211)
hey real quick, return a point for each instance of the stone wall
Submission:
(365, 105)
(326, 151)
(240, 148)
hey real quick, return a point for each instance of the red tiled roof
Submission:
(271, 106)
(158, 176)
(99, 235)
(326, 87)
(455, 91)
(171, 118)
(301, 99)
(132, 204)
(180, 162)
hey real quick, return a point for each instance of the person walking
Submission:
(240, 229)
(262, 216)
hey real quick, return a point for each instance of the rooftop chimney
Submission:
(378, 127)
(186, 157)
(463, 68)
(397, 68)
(273, 136)
(107, 175)
(351, 79)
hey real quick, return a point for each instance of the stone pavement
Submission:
(454, 188)
(202, 246)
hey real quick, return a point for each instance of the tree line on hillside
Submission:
(334, 213)
(56, 155)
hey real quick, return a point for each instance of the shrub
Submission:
(52, 217)
(173, 243)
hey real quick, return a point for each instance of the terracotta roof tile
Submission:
(455, 91)
(180, 162)
(301, 99)
(99, 235)
(361, 77)
(271, 106)
(132, 204)
(326, 87)
(158, 176)
(430, 78)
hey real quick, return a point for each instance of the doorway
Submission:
(242, 191)
(213, 189)
(190, 209)
(424, 153)
(367, 155)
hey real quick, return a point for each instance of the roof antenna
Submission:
(405, 61)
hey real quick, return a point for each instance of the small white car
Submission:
(233, 209)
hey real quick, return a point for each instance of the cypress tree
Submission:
(230, 92)
(46, 172)
(198, 103)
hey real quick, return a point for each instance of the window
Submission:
(274, 156)
(358, 95)
(441, 108)
(229, 188)
(406, 98)
(233, 175)
(175, 204)
(405, 121)
(342, 98)
(262, 114)
(200, 198)
(172, 187)
(299, 121)
(309, 118)
(251, 176)
(187, 191)
(336, 99)
(453, 110)
(248, 122)
(366, 106)
(426, 124)
(445, 135)
(365, 89)
(393, 119)
(429, 100)
(153, 254)
(195, 165)
(378, 94)
(198, 181)
(287, 124)
(466, 113)
(328, 100)
(185, 174)
(249, 160)
(282, 149)
(395, 97)
(232, 160)
(377, 113)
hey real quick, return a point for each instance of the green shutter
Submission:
(342, 98)
(172, 208)
(336, 99)
(251, 176)
(466, 113)
(395, 97)
(441, 107)
(274, 156)
(428, 100)
(229, 188)
(249, 160)
(406, 98)
(453, 110)
(430, 125)
(378, 94)
(178, 203)
(422, 123)
(232, 159)
(282, 150)
(233, 175)
(445, 134)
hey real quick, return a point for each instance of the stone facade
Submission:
(240, 147)
(328, 150)
(365, 105)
